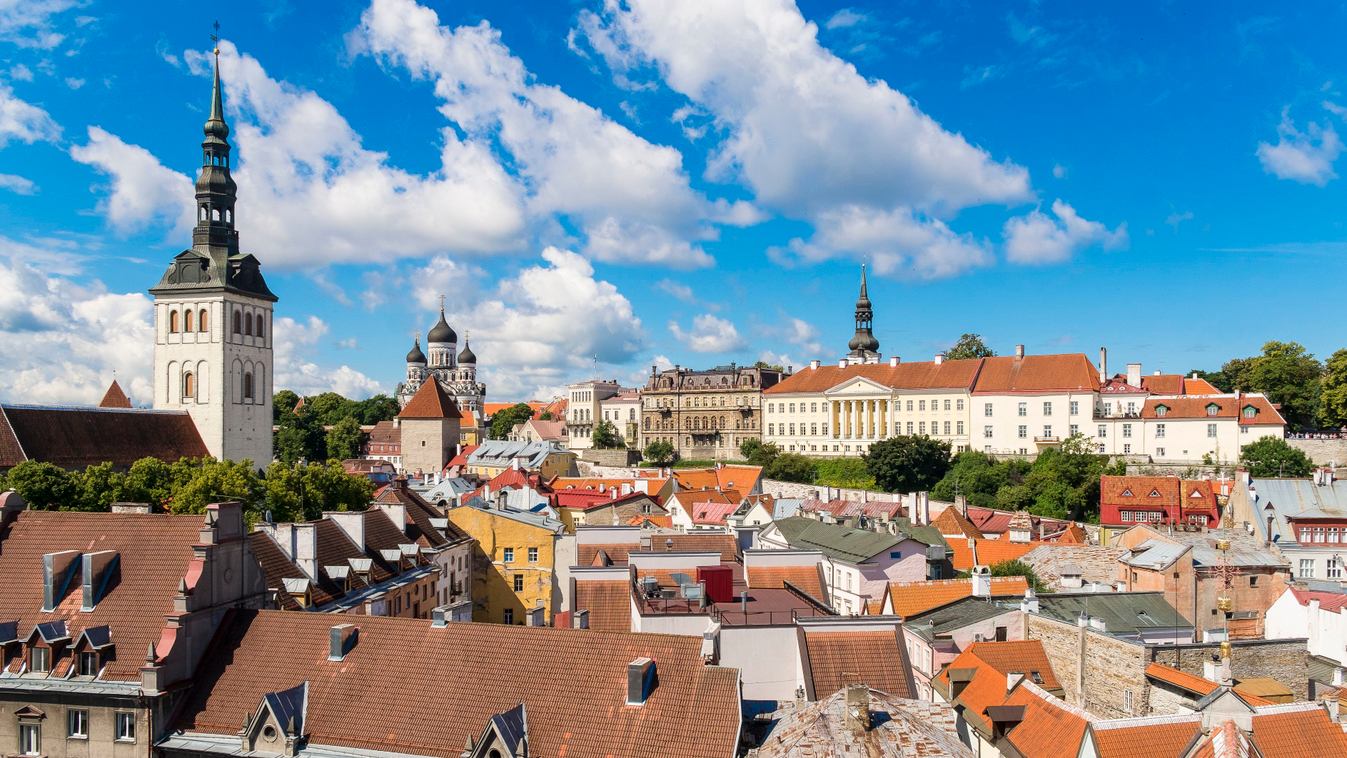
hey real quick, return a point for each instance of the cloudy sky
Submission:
(652, 182)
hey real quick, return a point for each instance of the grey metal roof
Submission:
(786, 507)
(501, 452)
(957, 615)
(839, 542)
(524, 517)
(1297, 498)
(1124, 613)
(1154, 554)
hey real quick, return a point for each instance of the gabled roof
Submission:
(1227, 406)
(951, 521)
(1051, 728)
(874, 658)
(114, 397)
(1124, 613)
(78, 437)
(1150, 737)
(431, 402)
(1333, 602)
(950, 617)
(1037, 373)
(911, 598)
(711, 513)
(574, 686)
(1297, 730)
(851, 545)
(989, 663)
(911, 376)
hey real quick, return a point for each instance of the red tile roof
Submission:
(1226, 407)
(608, 603)
(725, 544)
(616, 552)
(910, 598)
(991, 662)
(919, 375)
(1297, 732)
(74, 438)
(805, 578)
(1037, 373)
(844, 508)
(1151, 738)
(873, 658)
(1181, 679)
(992, 552)
(572, 682)
(712, 513)
(952, 521)
(154, 555)
(727, 477)
(1051, 728)
(114, 397)
(1333, 602)
(431, 402)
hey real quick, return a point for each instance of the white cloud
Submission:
(709, 334)
(350, 343)
(1176, 218)
(294, 343)
(28, 23)
(1037, 238)
(679, 291)
(161, 47)
(24, 122)
(61, 341)
(804, 335)
(1059, 171)
(331, 288)
(897, 243)
(975, 75)
(21, 73)
(537, 329)
(631, 198)
(844, 18)
(144, 192)
(1306, 157)
(17, 184)
(73, 82)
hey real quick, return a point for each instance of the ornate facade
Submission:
(705, 414)
(455, 371)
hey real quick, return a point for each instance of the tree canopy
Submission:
(1273, 457)
(659, 453)
(327, 408)
(605, 436)
(907, 463)
(1333, 406)
(344, 439)
(1289, 375)
(505, 419)
(969, 346)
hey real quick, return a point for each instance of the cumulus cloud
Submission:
(630, 198)
(1176, 218)
(17, 184)
(538, 329)
(803, 129)
(898, 243)
(1306, 157)
(1037, 238)
(676, 290)
(294, 343)
(844, 18)
(1059, 171)
(29, 23)
(23, 122)
(143, 191)
(708, 334)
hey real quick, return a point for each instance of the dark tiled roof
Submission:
(696, 543)
(874, 658)
(276, 566)
(608, 603)
(79, 437)
(154, 553)
(572, 682)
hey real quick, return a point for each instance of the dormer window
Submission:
(1127, 493)
(88, 663)
(1155, 493)
(1250, 411)
(1213, 409)
(1160, 411)
(39, 660)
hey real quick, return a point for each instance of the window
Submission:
(1318, 534)
(509, 555)
(1159, 430)
(909, 428)
(1160, 411)
(1126, 516)
(1127, 430)
(88, 663)
(792, 407)
(77, 721)
(1024, 409)
(909, 405)
(1073, 429)
(813, 429)
(987, 432)
(958, 427)
(771, 428)
(1306, 568)
(1108, 409)
(173, 322)
(1127, 700)
(508, 616)
(1127, 449)
(813, 407)
(946, 405)
(30, 740)
(39, 660)
(1250, 411)
(1211, 430)
(1253, 581)
(1159, 452)
(248, 386)
(946, 427)
(518, 582)
(1075, 407)
(1047, 432)
(126, 727)
(1103, 431)
(1334, 568)
(187, 321)
(1213, 409)
(1131, 409)
(533, 555)
(987, 409)
(921, 427)
(201, 322)
(921, 405)
(1047, 409)
(958, 404)
(238, 322)
(1333, 534)
(1023, 431)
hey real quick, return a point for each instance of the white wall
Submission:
(1327, 631)
(768, 659)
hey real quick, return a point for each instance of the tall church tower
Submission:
(864, 346)
(212, 318)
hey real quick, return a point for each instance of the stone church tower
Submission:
(212, 319)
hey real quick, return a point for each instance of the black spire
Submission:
(864, 341)
(216, 192)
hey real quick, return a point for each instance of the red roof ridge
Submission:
(430, 402)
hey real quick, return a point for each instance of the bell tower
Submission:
(864, 346)
(213, 317)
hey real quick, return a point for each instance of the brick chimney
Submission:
(858, 708)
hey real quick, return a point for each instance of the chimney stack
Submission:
(894, 360)
(581, 619)
(939, 358)
(842, 363)
(640, 680)
(813, 365)
(982, 581)
(858, 708)
(342, 639)
(1019, 351)
(1103, 365)
(1134, 374)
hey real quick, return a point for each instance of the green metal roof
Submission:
(1124, 613)
(840, 542)
(956, 615)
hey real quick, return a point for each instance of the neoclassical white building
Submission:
(213, 318)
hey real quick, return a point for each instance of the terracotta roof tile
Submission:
(952, 522)
(608, 603)
(114, 397)
(431, 402)
(1051, 728)
(277, 567)
(1297, 731)
(616, 552)
(873, 658)
(1226, 407)
(572, 682)
(725, 544)
(918, 375)
(1181, 679)
(910, 598)
(805, 578)
(74, 438)
(1149, 738)
(1036, 373)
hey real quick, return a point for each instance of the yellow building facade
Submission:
(514, 563)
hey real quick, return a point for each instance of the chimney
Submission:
(97, 568)
(858, 708)
(894, 360)
(580, 619)
(1103, 365)
(645, 542)
(924, 503)
(939, 358)
(1083, 620)
(537, 615)
(351, 523)
(57, 569)
(842, 363)
(1030, 602)
(439, 617)
(306, 549)
(1134, 374)
(1019, 352)
(341, 640)
(1098, 624)
(961, 503)
(813, 365)
(1156, 372)
(640, 680)
(131, 508)
(743, 602)
(397, 513)
(982, 581)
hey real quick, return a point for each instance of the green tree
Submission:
(659, 453)
(344, 439)
(1289, 375)
(215, 481)
(45, 487)
(790, 467)
(299, 437)
(605, 436)
(546, 416)
(1273, 457)
(100, 487)
(844, 472)
(283, 403)
(505, 419)
(907, 463)
(1018, 567)
(372, 410)
(1236, 374)
(978, 477)
(303, 493)
(969, 346)
(758, 453)
(765, 364)
(1333, 401)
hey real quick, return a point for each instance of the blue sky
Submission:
(676, 182)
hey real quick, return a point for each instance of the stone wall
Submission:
(1323, 452)
(1287, 661)
(1185, 470)
(610, 457)
(1095, 670)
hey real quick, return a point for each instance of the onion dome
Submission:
(467, 356)
(441, 332)
(416, 356)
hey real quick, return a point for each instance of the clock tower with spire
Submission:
(213, 318)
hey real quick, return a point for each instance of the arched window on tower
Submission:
(248, 324)
(259, 326)
(201, 322)
(214, 214)
(188, 385)
(173, 322)
(248, 386)
(203, 214)
(187, 320)
(238, 322)
(229, 216)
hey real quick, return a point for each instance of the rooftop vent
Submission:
(640, 680)
(342, 640)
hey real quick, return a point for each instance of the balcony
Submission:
(1047, 441)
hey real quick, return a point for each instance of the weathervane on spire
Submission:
(214, 38)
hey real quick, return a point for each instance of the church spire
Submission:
(864, 346)
(216, 193)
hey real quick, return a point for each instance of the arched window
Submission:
(187, 321)
(201, 321)
(173, 322)
(203, 214)
(259, 325)
(229, 216)
(238, 322)
(188, 385)
(248, 324)
(248, 386)
(214, 214)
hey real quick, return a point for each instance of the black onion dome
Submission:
(467, 356)
(416, 356)
(864, 341)
(441, 332)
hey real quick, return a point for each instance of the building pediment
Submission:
(277, 725)
(858, 385)
(505, 735)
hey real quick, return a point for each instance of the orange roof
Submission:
(1153, 737)
(1305, 733)
(873, 658)
(1193, 386)
(492, 409)
(608, 603)
(114, 397)
(726, 477)
(992, 552)
(1073, 535)
(951, 521)
(1226, 407)
(910, 598)
(919, 375)
(992, 661)
(1182, 679)
(1050, 728)
(805, 578)
(1156, 491)
(1037, 373)
(431, 402)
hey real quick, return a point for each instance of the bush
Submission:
(907, 463)
(850, 473)
(790, 467)
(1273, 457)
(659, 453)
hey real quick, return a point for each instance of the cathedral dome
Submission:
(416, 356)
(864, 341)
(441, 332)
(467, 356)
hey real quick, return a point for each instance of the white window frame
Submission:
(507, 555)
(77, 724)
(30, 739)
(124, 724)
